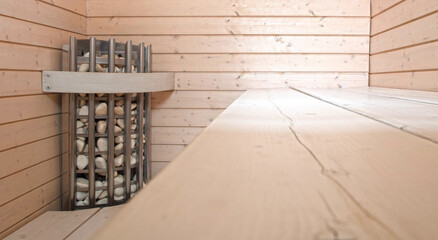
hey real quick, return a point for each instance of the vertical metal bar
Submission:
(127, 146)
(72, 55)
(140, 67)
(91, 127)
(140, 107)
(72, 128)
(111, 55)
(128, 69)
(110, 176)
(92, 57)
(128, 57)
(147, 114)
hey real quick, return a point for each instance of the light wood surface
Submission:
(261, 62)
(228, 25)
(91, 226)
(410, 95)
(53, 225)
(252, 44)
(219, 48)
(278, 164)
(421, 80)
(402, 13)
(418, 118)
(96, 8)
(32, 34)
(378, 6)
(251, 80)
(403, 45)
(81, 82)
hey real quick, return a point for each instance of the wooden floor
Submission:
(80, 225)
(299, 164)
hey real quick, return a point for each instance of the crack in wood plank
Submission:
(327, 174)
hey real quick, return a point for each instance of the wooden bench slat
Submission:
(87, 230)
(412, 95)
(278, 164)
(408, 113)
(53, 225)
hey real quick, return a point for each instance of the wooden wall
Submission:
(404, 44)
(31, 36)
(220, 48)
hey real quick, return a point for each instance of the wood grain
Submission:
(378, 6)
(24, 181)
(426, 81)
(45, 14)
(260, 62)
(273, 166)
(174, 135)
(228, 25)
(402, 13)
(417, 32)
(54, 225)
(194, 99)
(78, 6)
(250, 80)
(227, 8)
(252, 44)
(165, 153)
(19, 83)
(414, 117)
(16, 159)
(26, 107)
(422, 57)
(22, 57)
(24, 32)
(29, 203)
(183, 117)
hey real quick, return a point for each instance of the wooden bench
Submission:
(74, 225)
(282, 164)
(295, 164)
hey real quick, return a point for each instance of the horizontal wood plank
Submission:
(273, 166)
(416, 118)
(93, 224)
(24, 32)
(174, 135)
(19, 133)
(19, 83)
(422, 57)
(52, 206)
(78, 6)
(426, 81)
(402, 13)
(29, 179)
(25, 107)
(252, 44)
(416, 32)
(183, 117)
(228, 25)
(194, 99)
(21, 57)
(54, 225)
(250, 80)
(227, 8)
(260, 62)
(22, 157)
(408, 95)
(45, 14)
(13, 212)
(165, 153)
(378, 6)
